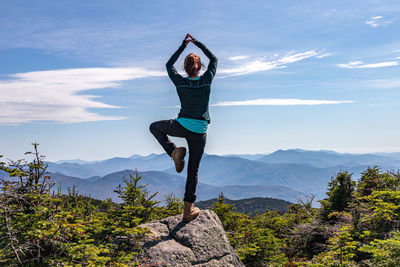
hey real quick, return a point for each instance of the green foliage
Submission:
(384, 252)
(341, 249)
(40, 229)
(137, 207)
(253, 241)
(340, 195)
(357, 224)
(258, 245)
(381, 211)
(350, 229)
(225, 212)
(373, 179)
(174, 205)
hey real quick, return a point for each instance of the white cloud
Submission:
(324, 55)
(374, 21)
(262, 65)
(294, 57)
(276, 102)
(53, 95)
(378, 21)
(236, 58)
(360, 65)
(280, 102)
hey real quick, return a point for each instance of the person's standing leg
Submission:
(160, 130)
(196, 143)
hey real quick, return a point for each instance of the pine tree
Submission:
(340, 194)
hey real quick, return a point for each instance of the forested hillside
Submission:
(249, 206)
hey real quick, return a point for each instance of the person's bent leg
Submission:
(160, 130)
(196, 143)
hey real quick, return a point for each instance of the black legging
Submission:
(196, 143)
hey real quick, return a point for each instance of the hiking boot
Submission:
(178, 155)
(189, 211)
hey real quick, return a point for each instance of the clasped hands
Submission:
(188, 39)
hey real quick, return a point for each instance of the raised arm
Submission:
(212, 66)
(172, 73)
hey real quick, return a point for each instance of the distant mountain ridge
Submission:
(302, 170)
(217, 170)
(164, 184)
(162, 162)
(155, 162)
(324, 158)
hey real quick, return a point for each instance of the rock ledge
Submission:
(201, 242)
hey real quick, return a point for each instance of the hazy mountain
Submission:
(155, 162)
(326, 158)
(218, 170)
(249, 205)
(93, 178)
(395, 155)
(246, 156)
(150, 156)
(302, 170)
(77, 161)
(161, 162)
(164, 183)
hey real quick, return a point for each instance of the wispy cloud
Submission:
(276, 102)
(378, 21)
(374, 21)
(280, 102)
(261, 64)
(53, 95)
(235, 58)
(361, 65)
(324, 55)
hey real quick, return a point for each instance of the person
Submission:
(192, 120)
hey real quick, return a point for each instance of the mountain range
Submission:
(164, 184)
(286, 174)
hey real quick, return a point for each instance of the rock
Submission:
(201, 242)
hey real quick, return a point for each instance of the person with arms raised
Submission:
(192, 120)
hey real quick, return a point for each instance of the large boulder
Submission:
(201, 242)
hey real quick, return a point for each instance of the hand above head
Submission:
(192, 39)
(188, 39)
(185, 42)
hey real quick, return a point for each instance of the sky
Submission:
(85, 79)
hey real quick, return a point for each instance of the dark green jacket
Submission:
(193, 94)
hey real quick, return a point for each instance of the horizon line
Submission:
(231, 154)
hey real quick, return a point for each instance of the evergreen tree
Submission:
(373, 179)
(340, 194)
(41, 229)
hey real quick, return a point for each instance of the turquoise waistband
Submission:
(197, 126)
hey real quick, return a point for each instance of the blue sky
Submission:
(86, 79)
